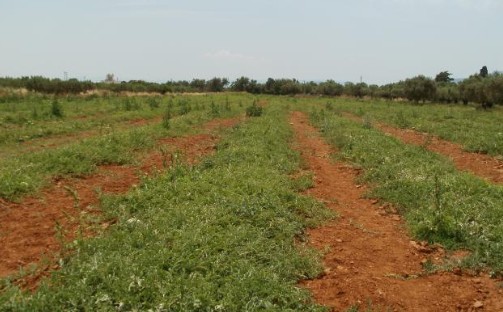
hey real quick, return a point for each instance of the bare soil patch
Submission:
(369, 257)
(482, 165)
(29, 229)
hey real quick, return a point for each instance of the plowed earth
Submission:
(370, 258)
(28, 230)
(482, 165)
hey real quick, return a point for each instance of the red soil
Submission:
(370, 259)
(28, 229)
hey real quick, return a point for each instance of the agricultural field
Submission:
(238, 202)
(477, 130)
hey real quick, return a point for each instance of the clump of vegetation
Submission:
(166, 118)
(227, 104)
(131, 104)
(153, 103)
(214, 109)
(254, 110)
(56, 109)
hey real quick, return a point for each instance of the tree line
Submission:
(482, 88)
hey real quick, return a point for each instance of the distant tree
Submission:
(309, 87)
(241, 84)
(198, 84)
(330, 88)
(358, 90)
(109, 78)
(216, 84)
(420, 88)
(373, 90)
(444, 76)
(495, 88)
(484, 72)
(448, 93)
(289, 86)
(271, 86)
(475, 89)
(484, 91)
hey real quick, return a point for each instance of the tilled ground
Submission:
(34, 228)
(369, 257)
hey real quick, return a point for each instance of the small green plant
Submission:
(329, 106)
(401, 120)
(166, 123)
(360, 112)
(367, 122)
(227, 104)
(56, 109)
(429, 267)
(34, 113)
(214, 109)
(254, 110)
(153, 103)
(131, 104)
(184, 108)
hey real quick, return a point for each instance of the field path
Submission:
(28, 229)
(481, 165)
(370, 259)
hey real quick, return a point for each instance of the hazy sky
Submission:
(381, 40)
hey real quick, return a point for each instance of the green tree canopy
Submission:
(420, 88)
(484, 72)
(444, 76)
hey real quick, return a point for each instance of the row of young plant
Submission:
(476, 130)
(440, 204)
(224, 235)
(36, 118)
(28, 172)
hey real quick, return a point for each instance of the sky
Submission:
(378, 41)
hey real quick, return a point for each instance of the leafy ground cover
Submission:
(34, 121)
(440, 203)
(21, 174)
(219, 236)
(477, 130)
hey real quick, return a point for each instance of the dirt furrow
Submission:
(370, 259)
(31, 230)
(482, 165)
